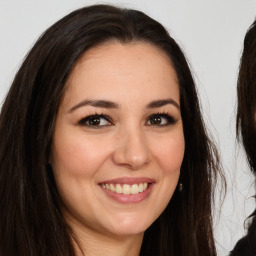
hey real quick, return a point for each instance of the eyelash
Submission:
(170, 120)
(83, 121)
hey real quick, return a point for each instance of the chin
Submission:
(127, 226)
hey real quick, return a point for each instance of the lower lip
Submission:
(129, 199)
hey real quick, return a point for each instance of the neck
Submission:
(91, 243)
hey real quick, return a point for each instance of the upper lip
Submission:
(128, 180)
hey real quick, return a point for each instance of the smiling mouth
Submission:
(126, 189)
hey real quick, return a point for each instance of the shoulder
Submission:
(244, 247)
(247, 245)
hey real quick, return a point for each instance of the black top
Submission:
(247, 245)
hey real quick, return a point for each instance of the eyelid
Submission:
(171, 120)
(83, 121)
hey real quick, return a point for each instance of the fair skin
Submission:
(118, 145)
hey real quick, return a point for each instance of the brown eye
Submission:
(156, 120)
(161, 120)
(95, 121)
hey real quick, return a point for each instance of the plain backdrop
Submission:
(211, 34)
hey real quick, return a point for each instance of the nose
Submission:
(132, 150)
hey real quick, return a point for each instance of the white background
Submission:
(211, 34)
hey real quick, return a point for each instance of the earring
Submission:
(180, 187)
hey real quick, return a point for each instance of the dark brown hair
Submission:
(245, 126)
(31, 222)
(246, 95)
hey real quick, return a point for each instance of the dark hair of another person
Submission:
(246, 126)
(31, 222)
(246, 93)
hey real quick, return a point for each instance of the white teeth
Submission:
(134, 189)
(119, 189)
(112, 188)
(125, 188)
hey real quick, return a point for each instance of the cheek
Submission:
(76, 163)
(77, 156)
(170, 154)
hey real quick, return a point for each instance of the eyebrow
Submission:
(161, 103)
(95, 103)
(112, 105)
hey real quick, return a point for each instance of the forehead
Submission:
(122, 69)
(127, 49)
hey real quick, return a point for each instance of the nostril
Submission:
(131, 158)
(132, 149)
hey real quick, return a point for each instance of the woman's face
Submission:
(118, 142)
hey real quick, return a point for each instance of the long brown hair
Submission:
(246, 126)
(31, 222)
(246, 97)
